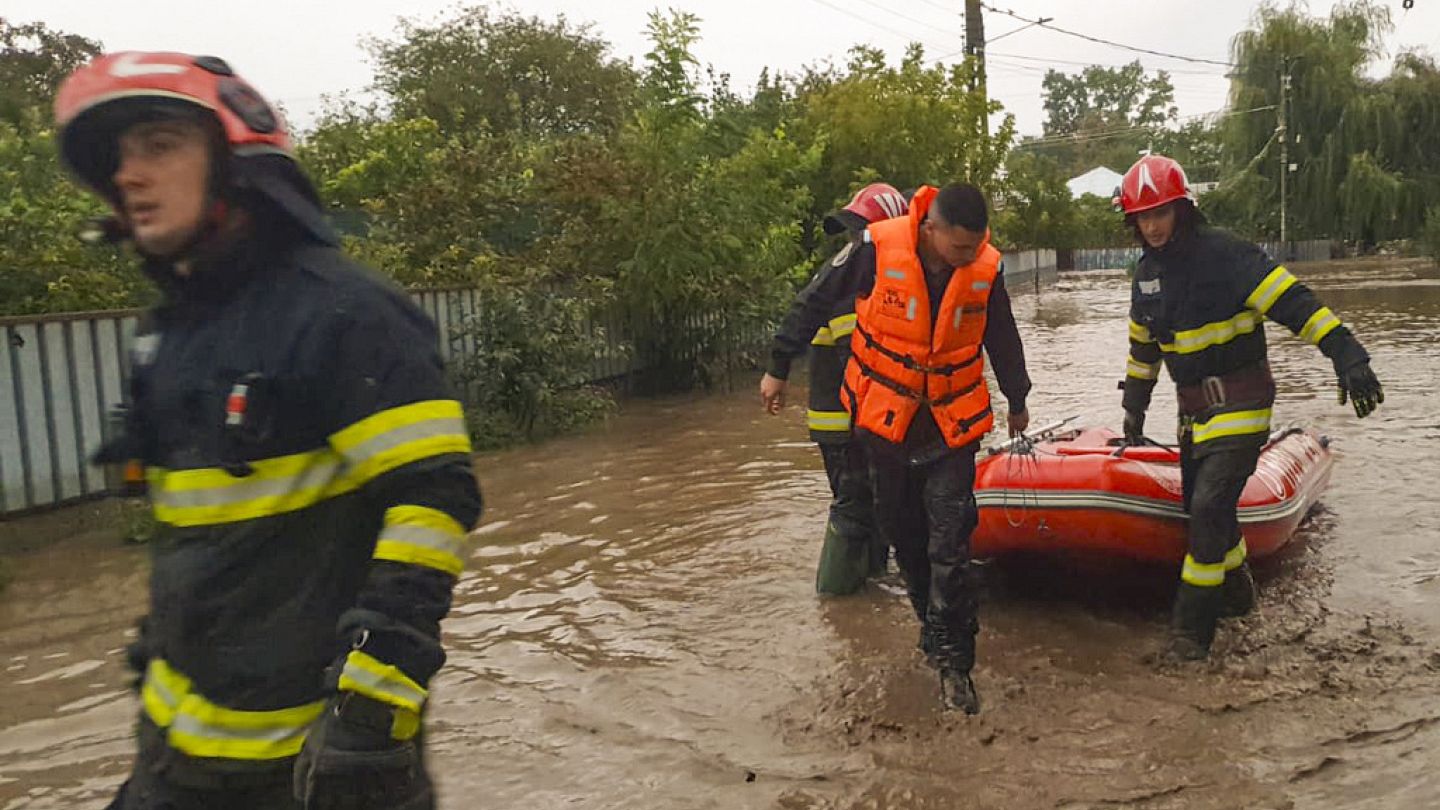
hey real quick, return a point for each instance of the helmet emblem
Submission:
(1146, 180)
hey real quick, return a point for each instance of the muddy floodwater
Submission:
(637, 626)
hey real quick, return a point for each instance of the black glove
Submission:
(1134, 427)
(1359, 384)
(351, 761)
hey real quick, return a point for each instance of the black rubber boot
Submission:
(1238, 597)
(957, 689)
(928, 645)
(1192, 624)
(879, 556)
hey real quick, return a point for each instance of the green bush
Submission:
(1430, 236)
(530, 352)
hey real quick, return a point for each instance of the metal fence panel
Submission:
(12, 443)
(65, 450)
(85, 384)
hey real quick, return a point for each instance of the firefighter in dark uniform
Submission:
(852, 549)
(929, 298)
(1198, 301)
(307, 463)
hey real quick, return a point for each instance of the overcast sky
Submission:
(297, 50)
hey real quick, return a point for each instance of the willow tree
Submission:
(1362, 148)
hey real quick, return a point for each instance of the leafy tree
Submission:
(906, 124)
(34, 59)
(1104, 116)
(1363, 148)
(43, 266)
(504, 73)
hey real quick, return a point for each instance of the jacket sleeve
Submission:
(1002, 343)
(1275, 293)
(1142, 367)
(853, 275)
(402, 433)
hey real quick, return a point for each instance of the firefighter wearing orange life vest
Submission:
(930, 302)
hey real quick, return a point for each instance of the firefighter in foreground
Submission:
(852, 550)
(307, 464)
(929, 298)
(1198, 301)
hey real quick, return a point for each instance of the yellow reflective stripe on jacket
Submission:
(828, 420)
(419, 535)
(398, 436)
(1214, 334)
(162, 692)
(197, 727)
(370, 448)
(1140, 334)
(1235, 423)
(276, 486)
(1235, 557)
(1142, 371)
(1205, 575)
(831, 333)
(1268, 291)
(1322, 323)
(367, 675)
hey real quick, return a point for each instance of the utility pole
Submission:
(975, 48)
(1284, 134)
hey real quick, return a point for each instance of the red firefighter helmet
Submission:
(873, 203)
(1153, 181)
(98, 101)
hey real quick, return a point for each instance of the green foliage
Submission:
(533, 353)
(504, 73)
(34, 59)
(44, 267)
(932, 127)
(1430, 236)
(1363, 148)
(1104, 116)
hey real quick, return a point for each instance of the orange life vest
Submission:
(900, 360)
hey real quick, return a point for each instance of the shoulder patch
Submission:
(843, 255)
(1149, 287)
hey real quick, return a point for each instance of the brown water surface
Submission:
(637, 627)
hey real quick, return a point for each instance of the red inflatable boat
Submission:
(1082, 490)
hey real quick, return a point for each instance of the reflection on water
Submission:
(637, 626)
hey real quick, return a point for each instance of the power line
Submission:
(892, 12)
(1047, 60)
(1053, 140)
(1111, 43)
(847, 12)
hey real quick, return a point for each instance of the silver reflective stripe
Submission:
(423, 536)
(980, 285)
(384, 686)
(958, 312)
(162, 691)
(186, 724)
(910, 310)
(316, 476)
(396, 437)
(895, 274)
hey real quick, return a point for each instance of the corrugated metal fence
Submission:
(1314, 250)
(61, 374)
